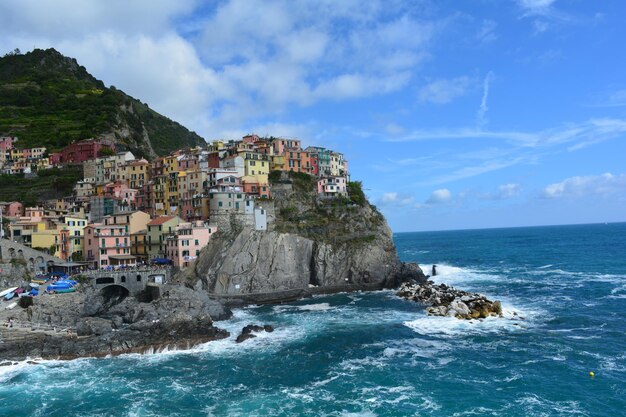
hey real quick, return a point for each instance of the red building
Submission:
(79, 152)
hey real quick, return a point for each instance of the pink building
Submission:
(120, 191)
(185, 245)
(108, 245)
(332, 187)
(251, 138)
(6, 143)
(283, 145)
(12, 209)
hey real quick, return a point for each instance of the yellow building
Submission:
(16, 154)
(22, 230)
(138, 173)
(75, 232)
(170, 163)
(43, 239)
(138, 246)
(255, 163)
(277, 163)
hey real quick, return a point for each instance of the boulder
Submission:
(247, 331)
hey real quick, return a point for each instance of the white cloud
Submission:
(444, 91)
(395, 199)
(482, 110)
(440, 196)
(509, 190)
(575, 135)
(487, 31)
(505, 191)
(536, 7)
(239, 61)
(581, 186)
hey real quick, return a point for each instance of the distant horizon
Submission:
(513, 227)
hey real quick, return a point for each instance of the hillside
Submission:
(47, 99)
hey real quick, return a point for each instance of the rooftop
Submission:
(160, 220)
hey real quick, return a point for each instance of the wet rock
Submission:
(247, 331)
(443, 300)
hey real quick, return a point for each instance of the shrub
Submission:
(274, 176)
(355, 190)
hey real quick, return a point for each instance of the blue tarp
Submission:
(161, 261)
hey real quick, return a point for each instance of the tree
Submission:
(106, 151)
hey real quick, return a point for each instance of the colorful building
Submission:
(158, 229)
(108, 245)
(78, 152)
(332, 187)
(184, 245)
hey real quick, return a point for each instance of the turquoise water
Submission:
(372, 354)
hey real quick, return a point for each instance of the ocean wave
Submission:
(453, 327)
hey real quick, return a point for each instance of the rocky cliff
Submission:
(312, 245)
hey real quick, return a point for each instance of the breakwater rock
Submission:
(444, 300)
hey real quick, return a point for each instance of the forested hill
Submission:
(47, 99)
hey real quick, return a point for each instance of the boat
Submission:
(8, 290)
(34, 285)
(70, 282)
(57, 287)
(11, 306)
(66, 290)
(9, 296)
(34, 292)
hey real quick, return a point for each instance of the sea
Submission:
(563, 290)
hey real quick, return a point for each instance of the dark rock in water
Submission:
(443, 300)
(246, 332)
(244, 336)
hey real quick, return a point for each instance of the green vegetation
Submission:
(47, 99)
(48, 184)
(106, 151)
(302, 182)
(275, 176)
(355, 191)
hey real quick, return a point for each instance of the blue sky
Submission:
(454, 114)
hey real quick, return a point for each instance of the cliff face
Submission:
(311, 245)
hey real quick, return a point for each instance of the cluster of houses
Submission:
(15, 160)
(127, 210)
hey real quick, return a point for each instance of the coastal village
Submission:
(128, 211)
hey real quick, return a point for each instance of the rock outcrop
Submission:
(248, 331)
(315, 245)
(88, 324)
(443, 300)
